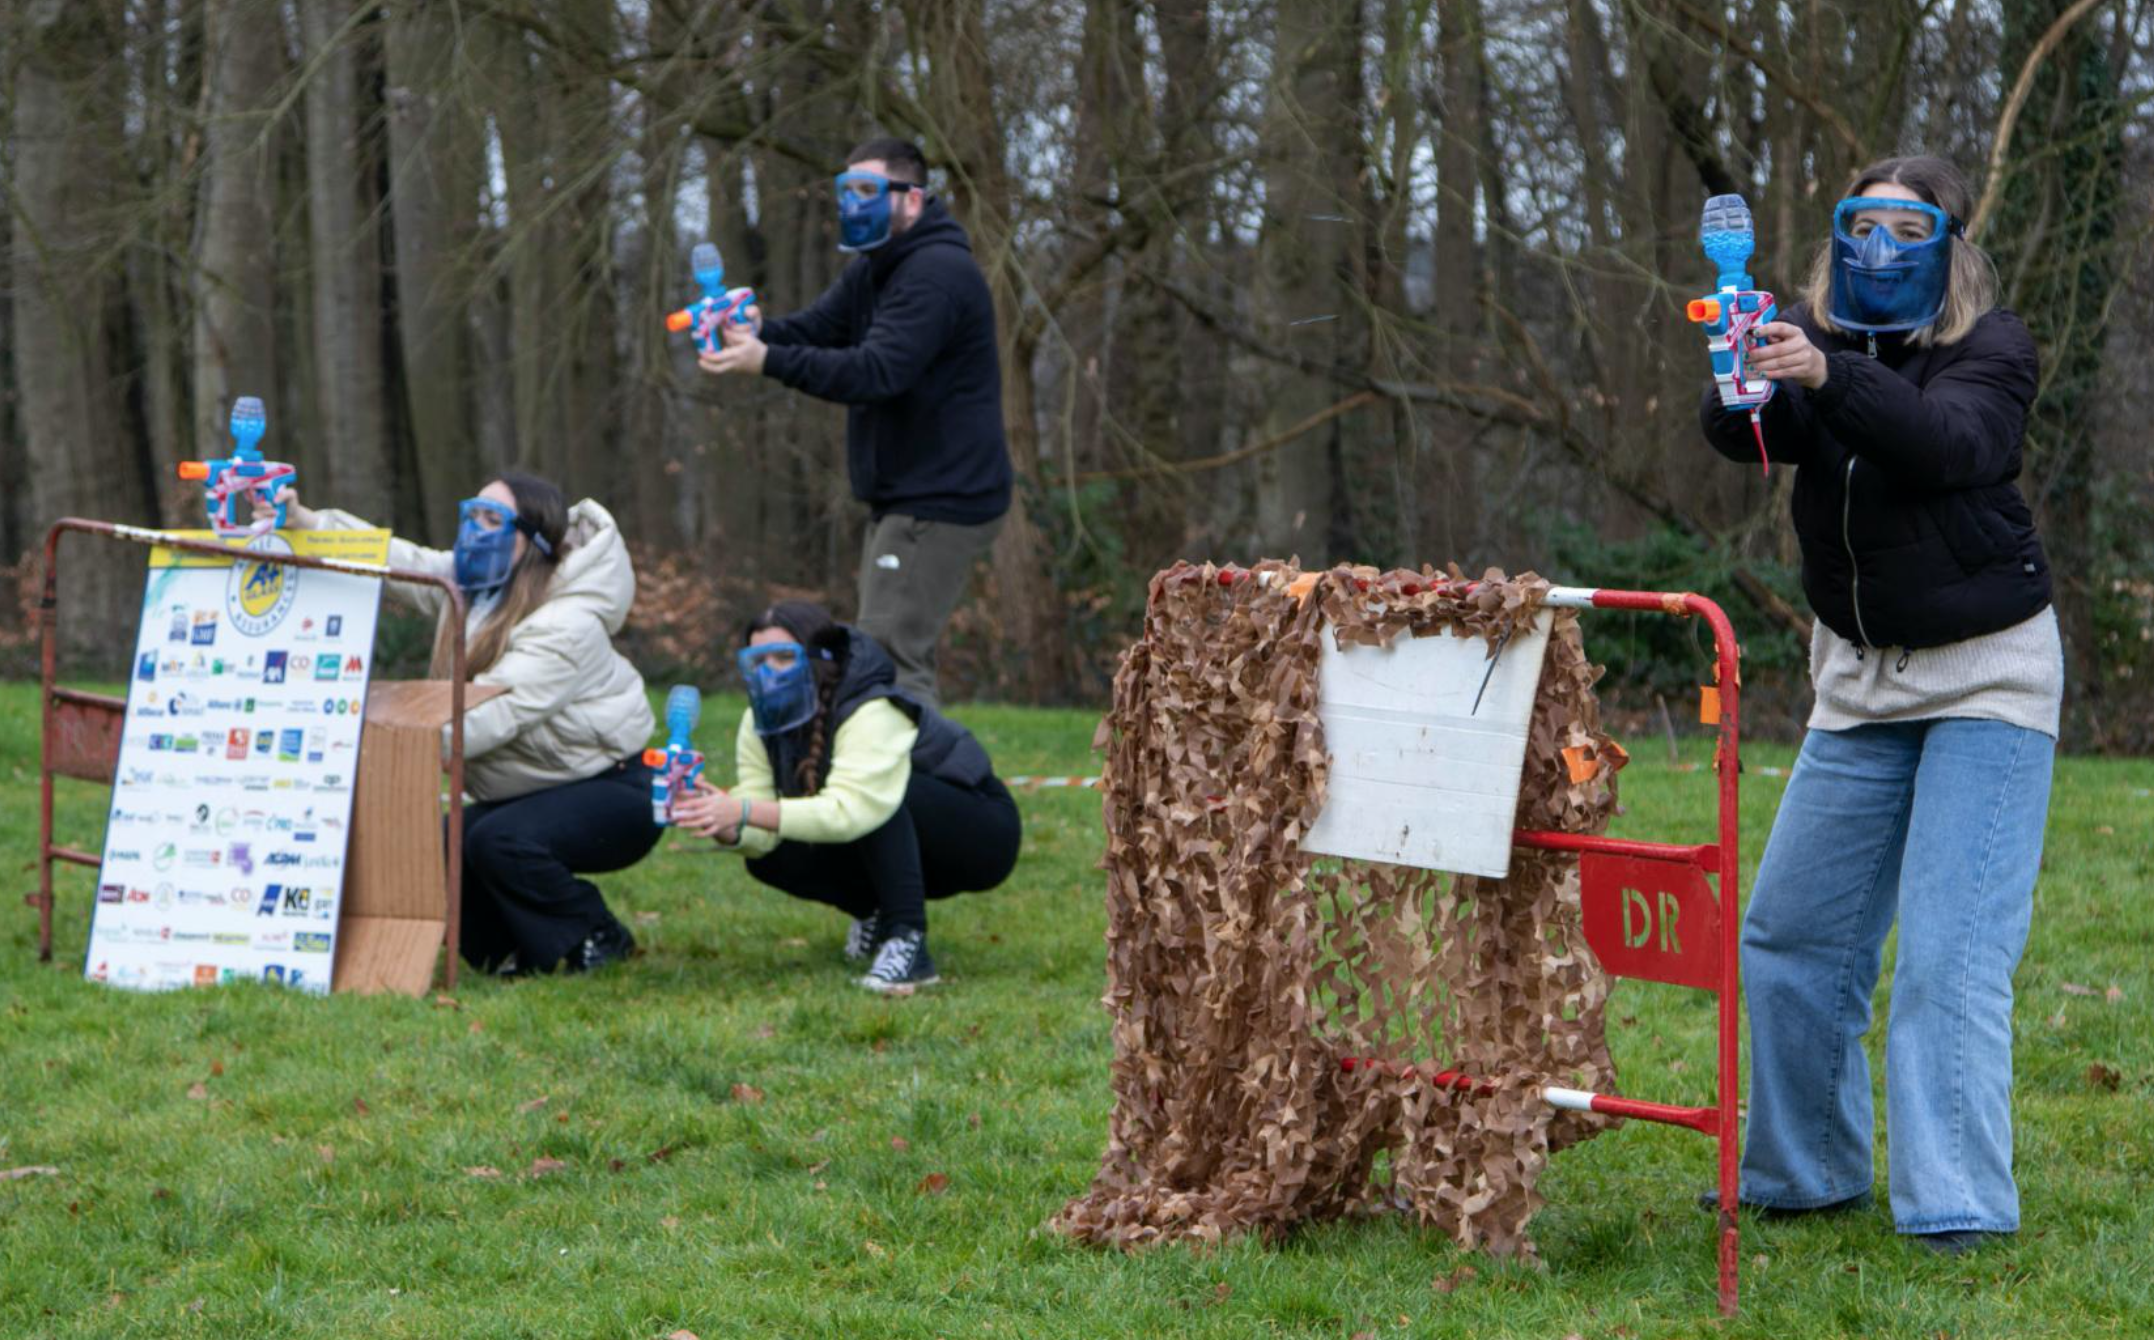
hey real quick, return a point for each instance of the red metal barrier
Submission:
(1650, 914)
(81, 731)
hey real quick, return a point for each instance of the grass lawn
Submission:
(747, 1145)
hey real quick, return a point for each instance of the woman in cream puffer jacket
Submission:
(554, 765)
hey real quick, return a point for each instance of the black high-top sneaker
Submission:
(901, 962)
(861, 938)
(610, 943)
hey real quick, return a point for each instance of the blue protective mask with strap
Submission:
(1884, 279)
(486, 544)
(781, 685)
(864, 209)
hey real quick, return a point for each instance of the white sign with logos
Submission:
(231, 805)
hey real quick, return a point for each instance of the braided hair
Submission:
(811, 626)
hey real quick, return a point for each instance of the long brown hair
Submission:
(541, 507)
(813, 628)
(1970, 288)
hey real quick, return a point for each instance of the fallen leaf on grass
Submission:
(793, 942)
(934, 1184)
(972, 1119)
(2114, 995)
(1364, 1335)
(532, 1106)
(216, 1068)
(646, 918)
(327, 1153)
(766, 1031)
(198, 1091)
(482, 1171)
(31, 1170)
(1451, 1282)
(615, 1165)
(663, 1152)
(2106, 831)
(443, 1000)
(2075, 989)
(1222, 1291)
(359, 1106)
(814, 1168)
(476, 1027)
(544, 1167)
(747, 1093)
(873, 1248)
(681, 1335)
(2104, 1077)
(900, 1143)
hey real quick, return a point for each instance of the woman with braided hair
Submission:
(853, 793)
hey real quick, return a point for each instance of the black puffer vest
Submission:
(1913, 531)
(945, 749)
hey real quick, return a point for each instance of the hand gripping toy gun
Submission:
(677, 768)
(230, 485)
(704, 317)
(1734, 311)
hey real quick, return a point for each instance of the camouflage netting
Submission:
(1241, 971)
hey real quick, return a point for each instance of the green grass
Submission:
(320, 1187)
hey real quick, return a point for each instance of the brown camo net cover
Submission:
(1240, 971)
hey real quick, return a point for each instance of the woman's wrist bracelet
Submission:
(745, 805)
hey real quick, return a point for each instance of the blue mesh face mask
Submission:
(1891, 261)
(864, 209)
(486, 544)
(781, 685)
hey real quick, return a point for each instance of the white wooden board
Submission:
(1419, 776)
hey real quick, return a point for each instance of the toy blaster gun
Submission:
(703, 318)
(1734, 311)
(677, 768)
(230, 485)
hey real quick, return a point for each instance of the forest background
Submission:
(1383, 281)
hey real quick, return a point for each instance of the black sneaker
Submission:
(610, 943)
(901, 963)
(861, 938)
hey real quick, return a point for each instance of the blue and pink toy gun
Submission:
(230, 485)
(677, 768)
(703, 318)
(1732, 314)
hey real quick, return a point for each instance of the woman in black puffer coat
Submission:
(1920, 795)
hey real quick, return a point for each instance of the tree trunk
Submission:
(434, 163)
(345, 252)
(67, 142)
(1310, 282)
(235, 278)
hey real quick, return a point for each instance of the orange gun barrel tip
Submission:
(1705, 309)
(654, 758)
(680, 320)
(196, 470)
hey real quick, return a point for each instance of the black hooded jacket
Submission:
(1913, 532)
(906, 341)
(944, 749)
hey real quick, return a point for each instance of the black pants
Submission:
(522, 858)
(945, 839)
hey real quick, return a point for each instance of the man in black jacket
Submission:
(905, 339)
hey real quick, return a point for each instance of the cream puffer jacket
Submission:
(574, 706)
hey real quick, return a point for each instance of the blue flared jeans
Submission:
(1939, 825)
